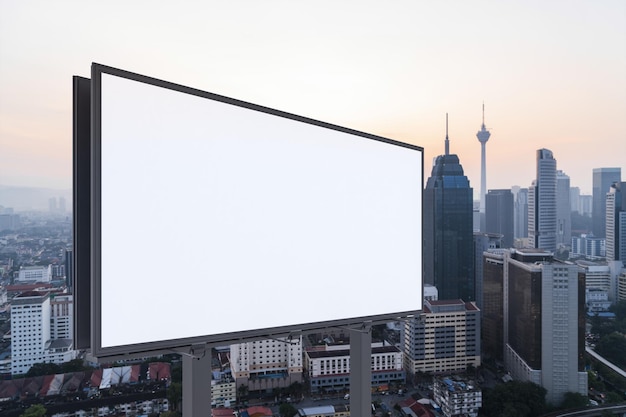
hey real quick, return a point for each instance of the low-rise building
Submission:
(267, 364)
(456, 397)
(328, 366)
(32, 274)
(325, 411)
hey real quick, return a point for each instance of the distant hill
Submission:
(32, 198)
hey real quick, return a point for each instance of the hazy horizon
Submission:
(551, 75)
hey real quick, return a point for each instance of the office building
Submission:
(31, 333)
(616, 222)
(267, 364)
(457, 397)
(621, 286)
(9, 221)
(448, 229)
(588, 246)
(574, 199)
(483, 242)
(62, 316)
(598, 275)
(328, 366)
(444, 337)
(544, 322)
(492, 328)
(603, 178)
(586, 204)
(542, 221)
(520, 211)
(563, 210)
(499, 215)
(69, 268)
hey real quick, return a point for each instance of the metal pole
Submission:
(197, 382)
(361, 371)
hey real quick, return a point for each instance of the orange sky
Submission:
(551, 74)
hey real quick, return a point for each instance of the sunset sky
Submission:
(551, 74)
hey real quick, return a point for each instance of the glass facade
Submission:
(448, 231)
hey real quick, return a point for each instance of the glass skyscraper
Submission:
(448, 229)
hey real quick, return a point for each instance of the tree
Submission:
(36, 410)
(175, 394)
(75, 365)
(515, 399)
(613, 398)
(40, 369)
(170, 414)
(574, 400)
(287, 410)
(612, 347)
(242, 391)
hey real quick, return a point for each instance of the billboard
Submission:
(214, 220)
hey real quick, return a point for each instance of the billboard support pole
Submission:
(197, 382)
(361, 370)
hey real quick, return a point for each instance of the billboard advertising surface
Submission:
(214, 219)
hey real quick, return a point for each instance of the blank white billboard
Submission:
(217, 219)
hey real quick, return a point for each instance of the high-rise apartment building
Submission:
(616, 222)
(499, 215)
(32, 338)
(563, 210)
(520, 211)
(543, 316)
(602, 180)
(267, 364)
(448, 229)
(542, 221)
(444, 337)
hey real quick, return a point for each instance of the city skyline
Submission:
(550, 75)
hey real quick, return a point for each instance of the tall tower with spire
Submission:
(448, 229)
(483, 136)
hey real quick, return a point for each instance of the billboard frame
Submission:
(164, 346)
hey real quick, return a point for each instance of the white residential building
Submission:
(223, 392)
(328, 366)
(444, 337)
(267, 364)
(31, 337)
(457, 398)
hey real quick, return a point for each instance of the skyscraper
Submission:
(602, 180)
(499, 215)
(543, 319)
(483, 136)
(448, 229)
(616, 222)
(563, 210)
(521, 214)
(542, 203)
